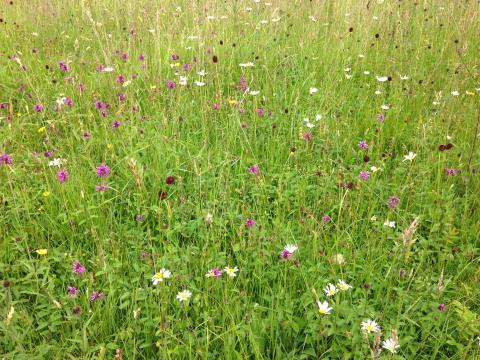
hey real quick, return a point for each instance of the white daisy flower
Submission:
(342, 285)
(323, 308)
(313, 90)
(410, 156)
(159, 276)
(390, 224)
(290, 248)
(249, 64)
(55, 162)
(231, 272)
(184, 295)
(382, 78)
(370, 326)
(330, 290)
(391, 345)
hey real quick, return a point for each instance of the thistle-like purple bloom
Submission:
(364, 175)
(285, 254)
(393, 202)
(254, 169)
(6, 159)
(78, 268)
(38, 108)
(450, 172)
(96, 296)
(102, 187)
(381, 117)
(63, 66)
(62, 175)
(72, 291)
(260, 112)
(250, 223)
(116, 124)
(120, 79)
(171, 84)
(103, 170)
(363, 144)
(326, 218)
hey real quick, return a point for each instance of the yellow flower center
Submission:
(159, 276)
(322, 311)
(370, 328)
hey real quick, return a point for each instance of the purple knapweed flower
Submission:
(121, 79)
(450, 172)
(100, 68)
(72, 291)
(363, 144)
(124, 57)
(216, 106)
(62, 175)
(68, 102)
(63, 66)
(171, 84)
(364, 175)
(38, 108)
(326, 218)
(393, 202)
(254, 169)
(103, 170)
(260, 112)
(381, 117)
(96, 296)
(121, 96)
(141, 57)
(215, 272)
(441, 307)
(6, 159)
(250, 223)
(78, 268)
(86, 135)
(116, 124)
(81, 87)
(102, 187)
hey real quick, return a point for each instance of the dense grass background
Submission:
(127, 233)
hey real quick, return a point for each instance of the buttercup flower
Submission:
(42, 251)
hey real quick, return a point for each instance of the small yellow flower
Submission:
(46, 193)
(41, 130)
(109, 146)
(232, 102)
(153, 87)
(42, 251)
(177, 64)
(470, 93)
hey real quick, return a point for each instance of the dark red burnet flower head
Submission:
(162, 195)
(170, 180)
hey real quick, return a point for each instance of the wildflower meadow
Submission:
(241, 179)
